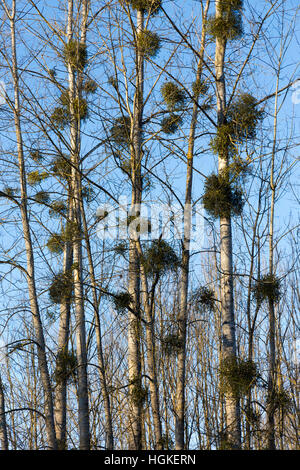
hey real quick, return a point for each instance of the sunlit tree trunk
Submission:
(134, 327)
(271, 303)
(74, 94)
(151, 354)
(60, 403)
(37, 324)
(227, 305)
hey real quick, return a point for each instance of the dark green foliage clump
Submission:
(120, 131)
(223, 144)
(42, 197)
(61, 289)
(35, 177)
(204, 298)
(75, 54)
(148, 43)
(138, 394)
(237, 376)
(229, 24)
(55, 243)
(173, 95)
(66, 365)
(61, 166)
(281, 401)
(58, 208)
(90, 86)
(150, 6)
(122, 301)
(242, 119)
(220, 198)
(199, 88)
(171, 344)
(244, 116)
(267, 288)
(80, 106)
(60, 117)
(237, 169)
(226, 5)
(159, 258)
(71, 231)
(170, 124)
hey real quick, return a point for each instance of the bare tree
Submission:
(39, 334)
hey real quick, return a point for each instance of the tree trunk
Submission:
(109, 441)
(3, 428)
(272, 321)
(37, 324)
(82, 384)
(151, 356)
(183, 314)
(232, 406)
(134, 328)
(60, 404)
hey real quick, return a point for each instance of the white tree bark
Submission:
(37, 324)
(60, 403)
(227, 307)
(82, 384)
(272, 319)
(134, 327)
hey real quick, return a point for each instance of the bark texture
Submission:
(184, 281)
(232, 406)
(37, 324)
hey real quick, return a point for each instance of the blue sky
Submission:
(259, 78)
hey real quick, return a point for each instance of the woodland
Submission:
(149, 225)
